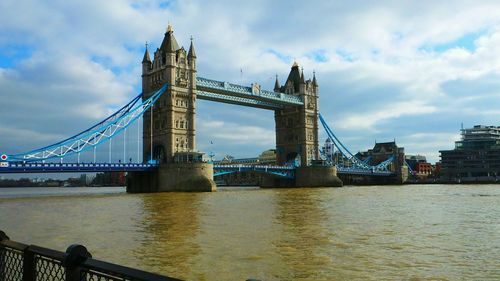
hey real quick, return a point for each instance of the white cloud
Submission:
(369, 120)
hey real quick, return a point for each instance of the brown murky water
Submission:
(426, 232)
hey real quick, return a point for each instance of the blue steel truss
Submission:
(355, 165)
(95, 135)
(237, 100)
(280, 171)
(227, 92)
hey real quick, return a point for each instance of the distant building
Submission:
(418, 165)
(423, 169)
(475, 157)
(328, 151)
(268, 157)
(109, 179)
(87, 179)
(381, 152)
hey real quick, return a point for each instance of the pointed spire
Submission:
(302, 80)
(191, 53)
(277, 84)
(315, 83)
(169, 43)
(294, 77)
(146, 58)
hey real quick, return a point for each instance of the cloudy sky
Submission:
(406, 70)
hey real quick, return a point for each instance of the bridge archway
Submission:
(293, 158)
(159, 153)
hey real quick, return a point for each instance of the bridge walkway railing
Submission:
(23, 262)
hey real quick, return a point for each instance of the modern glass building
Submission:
(475, 157)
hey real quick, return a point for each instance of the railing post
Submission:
(29, 266)
(77, 254)
(3, 258)
(3, 236)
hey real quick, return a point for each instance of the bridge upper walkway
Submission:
(220, 91)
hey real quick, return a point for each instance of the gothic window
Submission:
(177, 125)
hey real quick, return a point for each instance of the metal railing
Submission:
(21, 262)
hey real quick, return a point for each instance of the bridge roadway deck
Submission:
(363, 172)
(74, 167)
(282, 171)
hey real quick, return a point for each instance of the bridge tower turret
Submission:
(146, 67)
(169, 133)
(173, 124)
(297, 127)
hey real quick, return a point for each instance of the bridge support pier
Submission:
(186, 177)
(317, 176)
(311, 176)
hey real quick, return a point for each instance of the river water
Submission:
(413, 232)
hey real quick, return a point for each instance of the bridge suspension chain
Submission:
(356, 162)
(95, 135)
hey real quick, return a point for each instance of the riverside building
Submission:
(476, 156)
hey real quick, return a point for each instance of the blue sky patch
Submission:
(166, 4)
(345, 55)
(281, 56)
(318, 55)
(467, 41)
(10, 55)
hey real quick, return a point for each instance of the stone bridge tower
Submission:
(172, 124)
(297, 127)
(174, 113)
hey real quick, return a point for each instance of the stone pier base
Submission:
(317, 176)
(311, 176)
(173, 177)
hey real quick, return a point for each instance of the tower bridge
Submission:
(170, 88)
